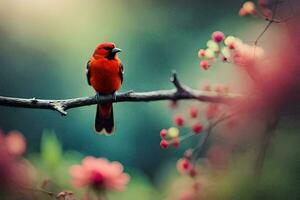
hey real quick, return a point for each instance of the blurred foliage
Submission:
(51, 151)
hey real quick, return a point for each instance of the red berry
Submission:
(193, 112)
(183, 166)
(164, 144)
(204, 64)
(178, 120)
(231, 45)
(197, 128)
(218, 36)
(201, 53)
(186, 164)
(163, 133)
(175, 142)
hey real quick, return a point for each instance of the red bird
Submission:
(105, 74)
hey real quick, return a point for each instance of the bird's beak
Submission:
(116, 50)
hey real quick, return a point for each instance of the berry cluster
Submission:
(229, 49)
(196, 118)
(218, 47)
(172, 136)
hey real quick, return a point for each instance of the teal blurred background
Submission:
(45, 46)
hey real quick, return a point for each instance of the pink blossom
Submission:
(15, 172)
(248, 8)
(15, 143)
(188, 195)
(99, 174)
(246, 55)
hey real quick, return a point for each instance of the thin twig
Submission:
(270, 22)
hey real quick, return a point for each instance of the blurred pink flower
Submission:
(246, 55)
(100, 174)
(15, 143)
(15, 172)
(188, 195)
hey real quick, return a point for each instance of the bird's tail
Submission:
(104, 118)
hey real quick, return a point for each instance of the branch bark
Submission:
(180, 92)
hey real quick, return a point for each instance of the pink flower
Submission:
(99, 174)
(15, 172)
(248, 8)
(246, 55)
(15, 143)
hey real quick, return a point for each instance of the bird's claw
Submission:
(128, 92)
(98, 97)
(114, 96)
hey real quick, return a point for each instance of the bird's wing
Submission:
(121, 73)
(88, 75)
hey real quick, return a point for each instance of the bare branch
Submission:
(181, 92)
(270, 22)
(174, 79)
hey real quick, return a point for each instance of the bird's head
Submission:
(106, 50)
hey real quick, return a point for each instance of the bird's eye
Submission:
(107, 48)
